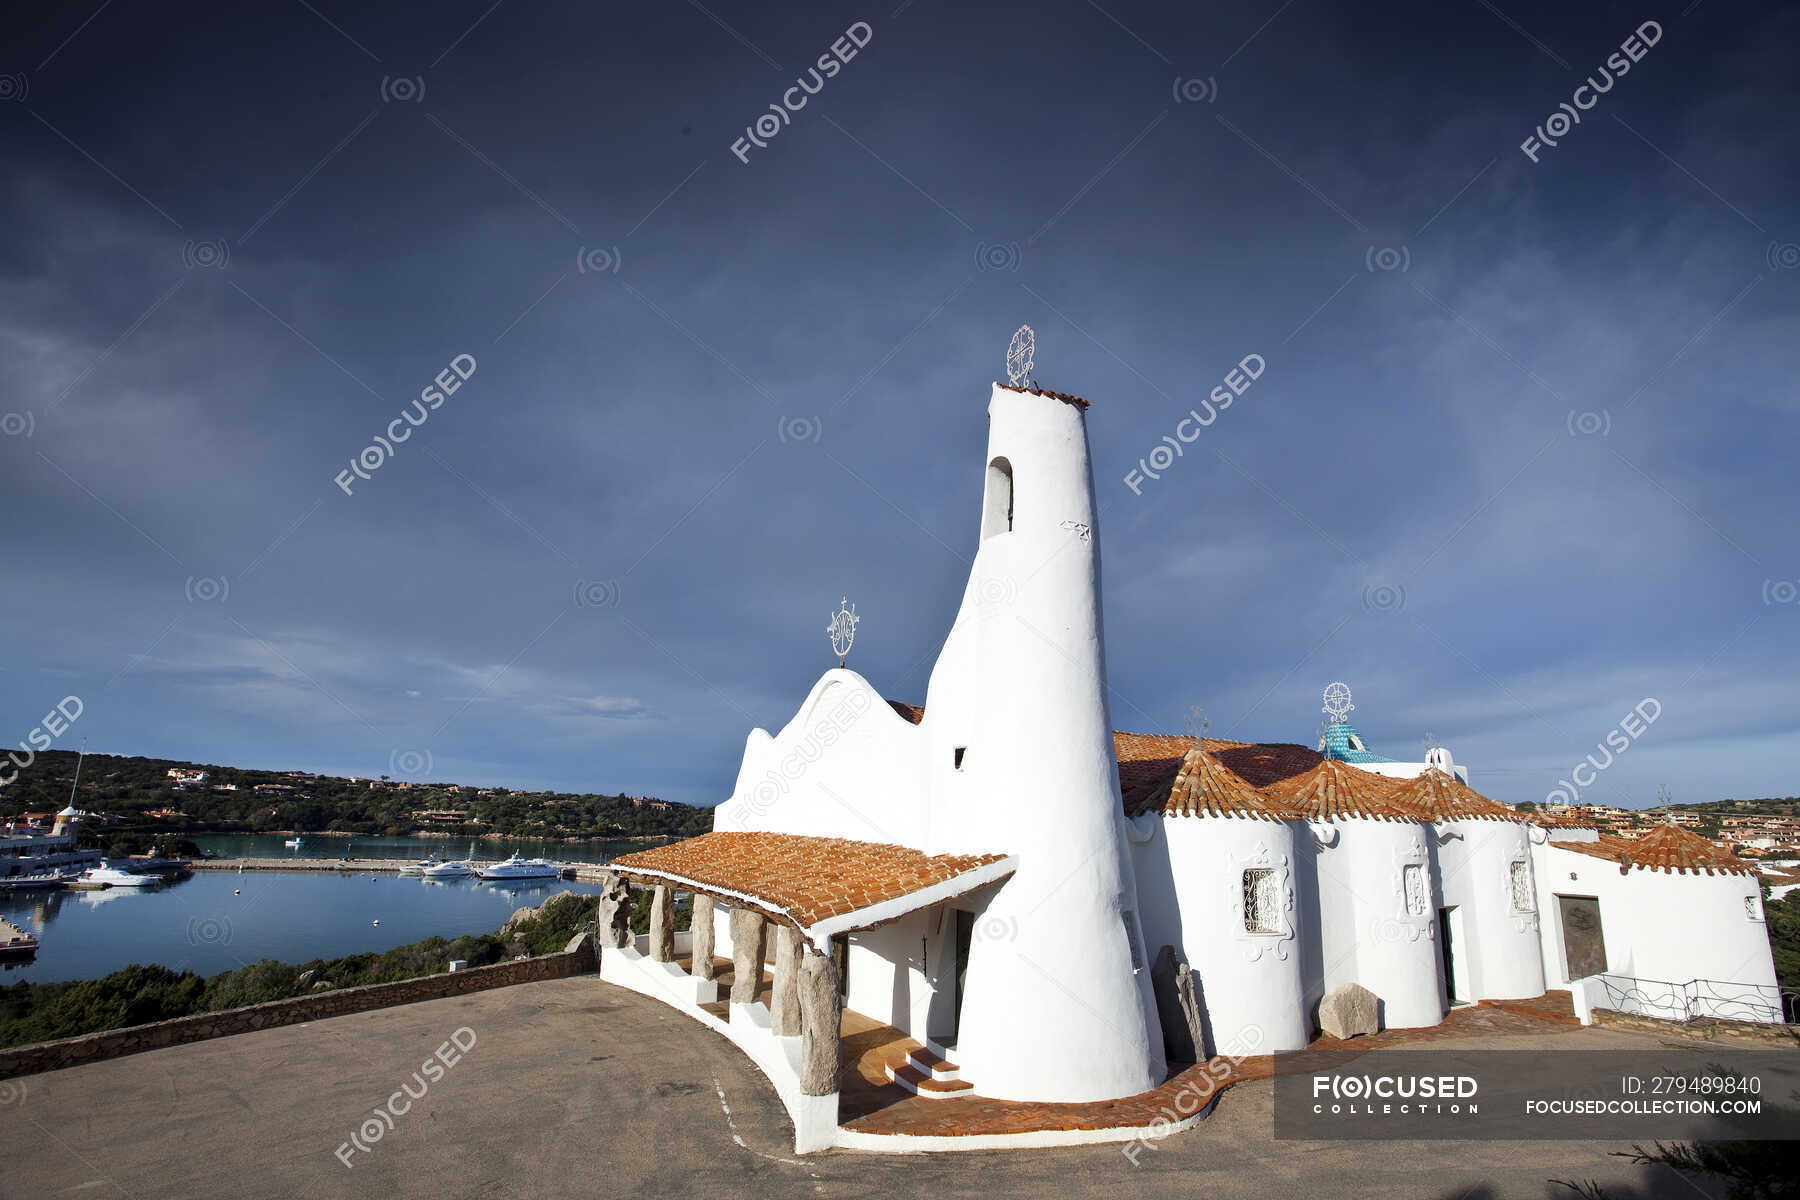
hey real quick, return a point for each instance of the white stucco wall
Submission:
(1496, 944)
(847, 766)
(1054, 1007)
(1190, 874)
(1368, 935)
(1662, 926)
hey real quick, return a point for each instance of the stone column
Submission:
(784, 1002)
(702, 928)
(662, 924)
(748, 928)
(615, 913)
(821, 1021)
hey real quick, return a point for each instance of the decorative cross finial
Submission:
(1337, 702)
(843, 629)
(1019, 356)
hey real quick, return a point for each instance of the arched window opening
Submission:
(997, 517)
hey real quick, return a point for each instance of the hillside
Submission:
(241, 800)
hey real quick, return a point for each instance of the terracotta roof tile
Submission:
(1550, 820)
(1077, 401)
(1204, 787)
(803, 879)
(1665, 848)
(1333, 790)
(912, 712)
(1264, 764)
(1439, 796)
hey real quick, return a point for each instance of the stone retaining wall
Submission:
(1712, 1029)
(579, 959)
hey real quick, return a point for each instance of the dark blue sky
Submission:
(1521, 456)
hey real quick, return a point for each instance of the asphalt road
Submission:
(576, 1088)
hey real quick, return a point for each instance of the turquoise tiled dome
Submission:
(1343, 743)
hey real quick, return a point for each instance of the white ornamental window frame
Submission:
(1519, 869)
(1256, 943)
(1261, 899)
(1411, 873)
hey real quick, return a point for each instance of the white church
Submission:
(997, 873)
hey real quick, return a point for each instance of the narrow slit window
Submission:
(959, 756)
(1131, 940)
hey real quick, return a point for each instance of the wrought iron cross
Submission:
(843, 629)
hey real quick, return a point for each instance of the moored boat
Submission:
(111, 876)
(521, 868)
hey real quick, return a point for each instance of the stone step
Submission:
(932, 1063)
(925, 1087)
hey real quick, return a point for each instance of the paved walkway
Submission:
(576, 1088)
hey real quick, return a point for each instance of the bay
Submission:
(218, 921)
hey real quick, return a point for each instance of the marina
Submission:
(220, 918)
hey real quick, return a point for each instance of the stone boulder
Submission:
(1350, 1011)
(521, 915)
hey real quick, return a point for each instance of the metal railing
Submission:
(1698, 998)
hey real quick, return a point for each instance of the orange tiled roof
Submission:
(1335, 789)
(1204, 787)
(1665, 848)
(912, 712)
(1077, 401)
(1439, 796)
(806, 880)
(1149, 763)
(1550, 820)
(1264, 764)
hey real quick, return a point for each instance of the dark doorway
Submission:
(965, 933)
(1449, 954)
(1584, 941)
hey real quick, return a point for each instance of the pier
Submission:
(14, 940)
(585, 872)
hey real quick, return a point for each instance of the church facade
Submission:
(1001, 875)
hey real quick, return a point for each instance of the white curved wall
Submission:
(1250, 983)
(1054, 1007)
(846, 766)
(1497, 947)
(1368, 932)
(1661, 926)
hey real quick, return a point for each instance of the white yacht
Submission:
(448, 870)
(521, 868)
(115, 877)
(422, 866)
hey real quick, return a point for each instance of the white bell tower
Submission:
(1057, 1002)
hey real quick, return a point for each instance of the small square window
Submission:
(1753, 907)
